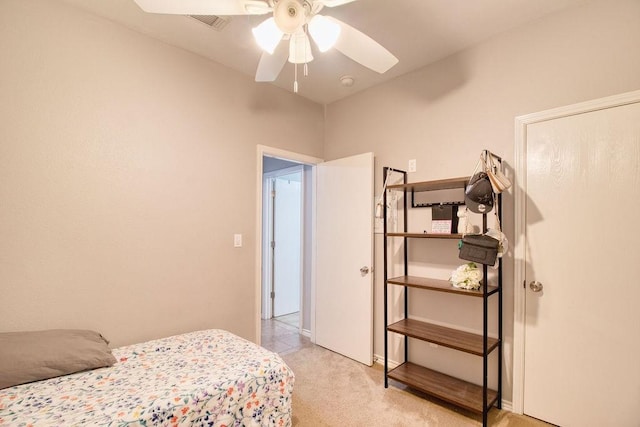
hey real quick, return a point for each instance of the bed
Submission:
(204, 378)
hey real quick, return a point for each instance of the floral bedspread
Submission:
(205, 378)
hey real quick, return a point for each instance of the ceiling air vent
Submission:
(216, 22)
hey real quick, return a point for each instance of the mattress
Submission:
(204, 378)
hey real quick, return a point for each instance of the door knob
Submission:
(535, 286)
(364, 270)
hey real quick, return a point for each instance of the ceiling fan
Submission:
(293, 21)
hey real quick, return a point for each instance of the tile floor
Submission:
(282, 334)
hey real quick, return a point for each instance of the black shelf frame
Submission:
(487, 402)
(385, 171)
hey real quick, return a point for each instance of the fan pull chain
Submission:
(295, 72)
(306, 67)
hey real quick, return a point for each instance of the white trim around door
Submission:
(261, 151)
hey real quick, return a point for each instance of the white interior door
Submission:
(287, 230)
(582, 328)
(344, 224)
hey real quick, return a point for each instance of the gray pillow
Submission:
(33, 356)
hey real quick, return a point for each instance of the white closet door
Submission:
(582, 328)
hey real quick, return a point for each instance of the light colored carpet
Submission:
(332, 390)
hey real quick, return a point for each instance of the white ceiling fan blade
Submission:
(363, 49)
(205, 7)
(270, 65)
(334, 3)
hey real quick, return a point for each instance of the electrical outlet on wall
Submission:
(412, 165)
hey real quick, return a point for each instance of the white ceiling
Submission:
(417, 32)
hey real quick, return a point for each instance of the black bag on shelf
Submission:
(479, 248)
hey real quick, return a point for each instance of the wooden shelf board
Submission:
(426, 235)
(441, 184)
(447, 337)
(436, 285)
(450, 389)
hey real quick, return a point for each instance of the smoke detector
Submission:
(347, 81)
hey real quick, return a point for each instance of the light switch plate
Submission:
(412, 165)
(237, 240)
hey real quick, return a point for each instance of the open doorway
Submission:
(338, 203)
(286, 224)
(282, 247)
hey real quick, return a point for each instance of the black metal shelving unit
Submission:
(476, 398)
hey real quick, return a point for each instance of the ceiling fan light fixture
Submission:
(324, 32)
(300, 49)
(294, 21)
(267, 35)
(289, 15)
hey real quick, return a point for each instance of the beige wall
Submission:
(444, 114)
(126, 166)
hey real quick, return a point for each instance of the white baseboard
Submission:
(306, 333)
(380, 360)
